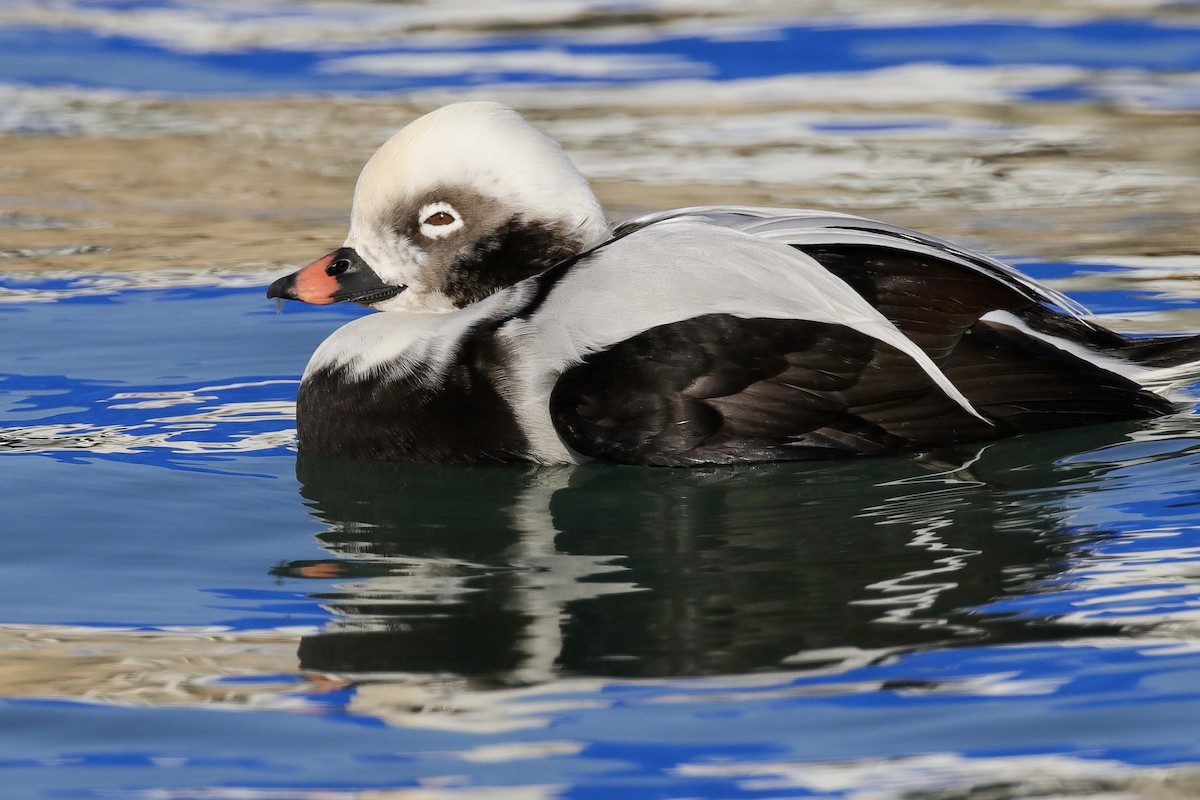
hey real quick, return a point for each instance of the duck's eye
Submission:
(438, 220)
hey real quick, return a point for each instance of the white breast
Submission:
(391, 342)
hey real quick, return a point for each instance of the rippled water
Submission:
(189, 610)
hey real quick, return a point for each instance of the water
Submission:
(189, 610)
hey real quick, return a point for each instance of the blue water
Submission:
(1030, 599)
(190, 610)
(101, 58)
(52, 56)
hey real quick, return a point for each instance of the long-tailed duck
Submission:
(528, 329)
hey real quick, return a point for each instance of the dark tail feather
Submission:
(1169, 364)
(1163, 351)
(1163, 364)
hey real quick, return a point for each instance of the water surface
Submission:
(190, 610)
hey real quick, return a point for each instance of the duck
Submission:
(517, 324)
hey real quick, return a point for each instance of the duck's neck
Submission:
(518, 250)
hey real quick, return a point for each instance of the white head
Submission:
(461, 202)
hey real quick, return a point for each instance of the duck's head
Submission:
(464, 201)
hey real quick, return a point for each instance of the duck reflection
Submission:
(515, 575)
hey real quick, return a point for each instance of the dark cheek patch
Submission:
(478, 213)
(494, 249)
(516, 250)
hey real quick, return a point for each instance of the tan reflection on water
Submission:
(245, 183)
(147, 668)
(185, 668)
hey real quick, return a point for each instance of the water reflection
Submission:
(512, 574)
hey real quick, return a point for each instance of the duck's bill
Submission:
(340, 276)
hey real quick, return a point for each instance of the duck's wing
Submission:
(720, 389)
(777, 355)
(931, 290)
(863, 251)
(686, 268)
(934, 291)
(723, 389)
